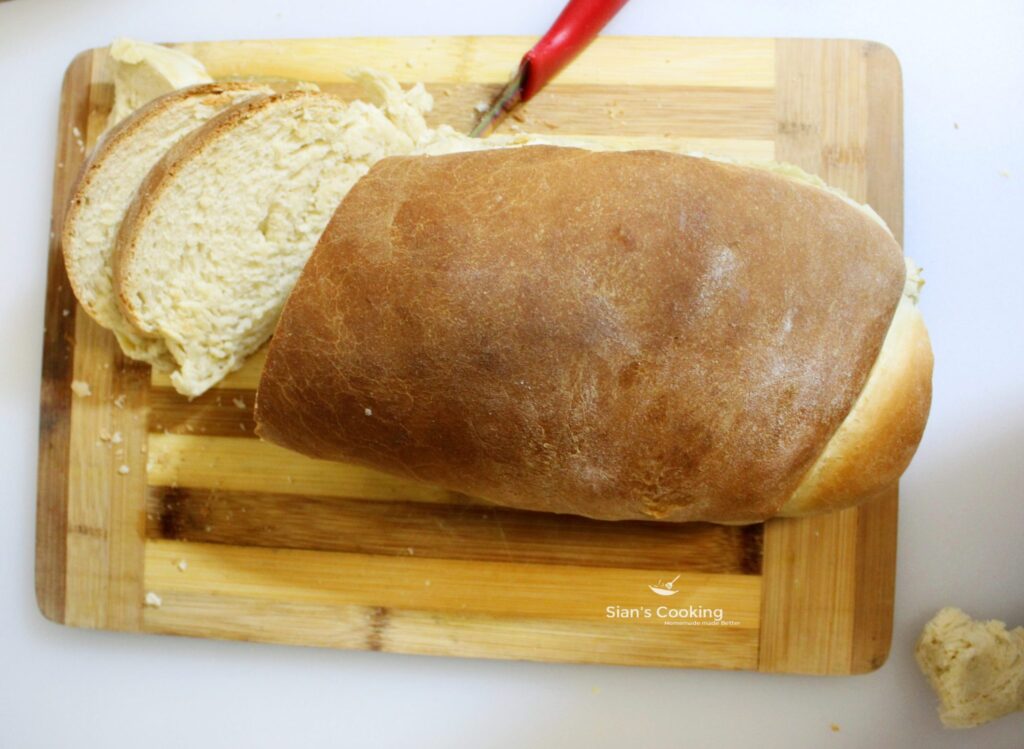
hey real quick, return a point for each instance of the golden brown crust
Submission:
(618, 335)
(111, 141)
(877, 440)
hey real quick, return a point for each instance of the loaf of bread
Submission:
(106, 186)
(636, 335)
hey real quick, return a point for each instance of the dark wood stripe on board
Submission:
(446, 531)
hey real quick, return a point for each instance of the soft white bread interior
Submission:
(106, 186)
(222, 226)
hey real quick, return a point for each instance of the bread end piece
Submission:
(878, 438)
(976, 668)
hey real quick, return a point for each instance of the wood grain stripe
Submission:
(610, 60)
(510, 589)
(877, 522)
(58, 358)
(224, 412)
(248, 465)
(223, 615)
(468, 532)
(821, 582)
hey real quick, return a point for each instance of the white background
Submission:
(961, 517)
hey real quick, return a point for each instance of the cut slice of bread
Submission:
(105, 188)
(220, 229)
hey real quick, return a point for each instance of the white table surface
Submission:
(962, 511)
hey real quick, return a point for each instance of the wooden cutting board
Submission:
(143, 492)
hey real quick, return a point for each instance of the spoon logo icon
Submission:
(665, 589)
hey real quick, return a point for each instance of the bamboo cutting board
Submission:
(145, 495)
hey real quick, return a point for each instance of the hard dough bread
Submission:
(221, 227)
(106, 186)
(617, 335)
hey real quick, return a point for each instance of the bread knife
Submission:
(573, 30)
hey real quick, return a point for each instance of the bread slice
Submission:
(105, 188)
(222, 226)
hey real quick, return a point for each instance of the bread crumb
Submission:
(1004, 173)
(549, 124)
(181, 564)
(306, 86)
(65, 312)
(834, 727)
(239, 403)
(153, 601)
(517, 115)
(956, 125)
(120, 401)
(481, 106)
(104, 435)
(241, 425)
(81, 388)
(116, 438)
(368, 411)
(426, 583)
(412, 551)
(410, 63)
(124, 469)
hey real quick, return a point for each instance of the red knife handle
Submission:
(574, 29)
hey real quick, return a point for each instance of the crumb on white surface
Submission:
(834, 727)
(152, 600)
(81, 388)
(124, 469)
(239, 403)
(1004, 173)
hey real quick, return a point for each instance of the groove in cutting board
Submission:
(244, 540)
(445, 531)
